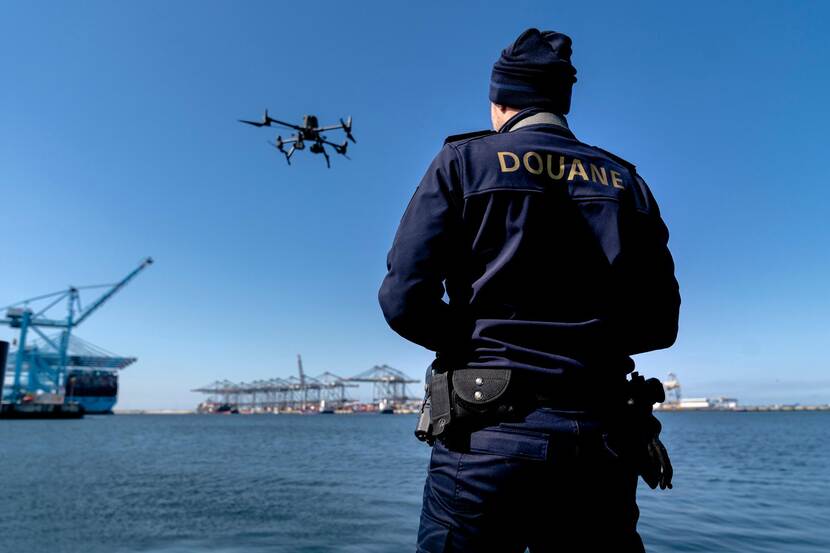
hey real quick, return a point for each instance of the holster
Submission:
(455, 398)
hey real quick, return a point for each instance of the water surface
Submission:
(748, 482)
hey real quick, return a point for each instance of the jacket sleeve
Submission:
(648, 308)
(426, 243)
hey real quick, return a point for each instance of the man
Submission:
(554, 258)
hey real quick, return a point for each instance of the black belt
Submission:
(566, 394)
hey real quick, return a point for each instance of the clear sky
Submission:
(118, 140)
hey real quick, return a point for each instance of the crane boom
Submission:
(111, 292)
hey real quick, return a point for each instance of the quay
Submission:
(41, 411)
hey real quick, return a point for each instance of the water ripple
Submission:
(754, 483)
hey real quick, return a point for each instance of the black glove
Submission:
(649, 453)
(655, 465)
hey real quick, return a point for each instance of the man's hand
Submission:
(657, 470)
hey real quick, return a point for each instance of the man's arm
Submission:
(427, 242)
(649, 303)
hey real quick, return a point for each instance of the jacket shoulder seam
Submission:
(618, 159)
(459, 139)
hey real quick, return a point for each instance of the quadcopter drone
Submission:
(308, 132)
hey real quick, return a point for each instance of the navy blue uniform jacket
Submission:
(552, 254)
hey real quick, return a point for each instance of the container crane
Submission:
(46, 360)
(672, 387)
(389, 386)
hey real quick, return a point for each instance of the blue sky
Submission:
(118, 140)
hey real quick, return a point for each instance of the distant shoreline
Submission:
(154, 412)
(746, 409)
(194, 412)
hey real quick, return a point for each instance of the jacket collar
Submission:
(536, 116)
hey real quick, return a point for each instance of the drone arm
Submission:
(339, 148)
(280, 145)
(289, 125)
(289, 141)
(324, 141)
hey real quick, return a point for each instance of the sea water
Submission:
(744, 482)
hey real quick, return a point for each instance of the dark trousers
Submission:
(552, 482)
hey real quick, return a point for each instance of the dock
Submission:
(41, 411)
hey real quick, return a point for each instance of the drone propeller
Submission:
(338, 148)
(341, 149)
(347, 128)
(266, 121)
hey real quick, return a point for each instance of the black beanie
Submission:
(535, 71)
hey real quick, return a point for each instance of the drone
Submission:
(309, 131)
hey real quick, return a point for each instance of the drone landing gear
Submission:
(318, 148)
(288, 154)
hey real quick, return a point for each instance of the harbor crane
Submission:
(672, 388)
(323, 393)
(326, 391)
(389, 385)
(45, 361)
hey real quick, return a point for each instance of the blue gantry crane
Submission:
(45, 360)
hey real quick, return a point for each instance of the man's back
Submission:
(553, 253)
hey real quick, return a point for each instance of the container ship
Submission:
(675, 402)
(96, 391)
(90, 380)
(59, 375)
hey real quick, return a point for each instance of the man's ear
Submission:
(497, 115)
